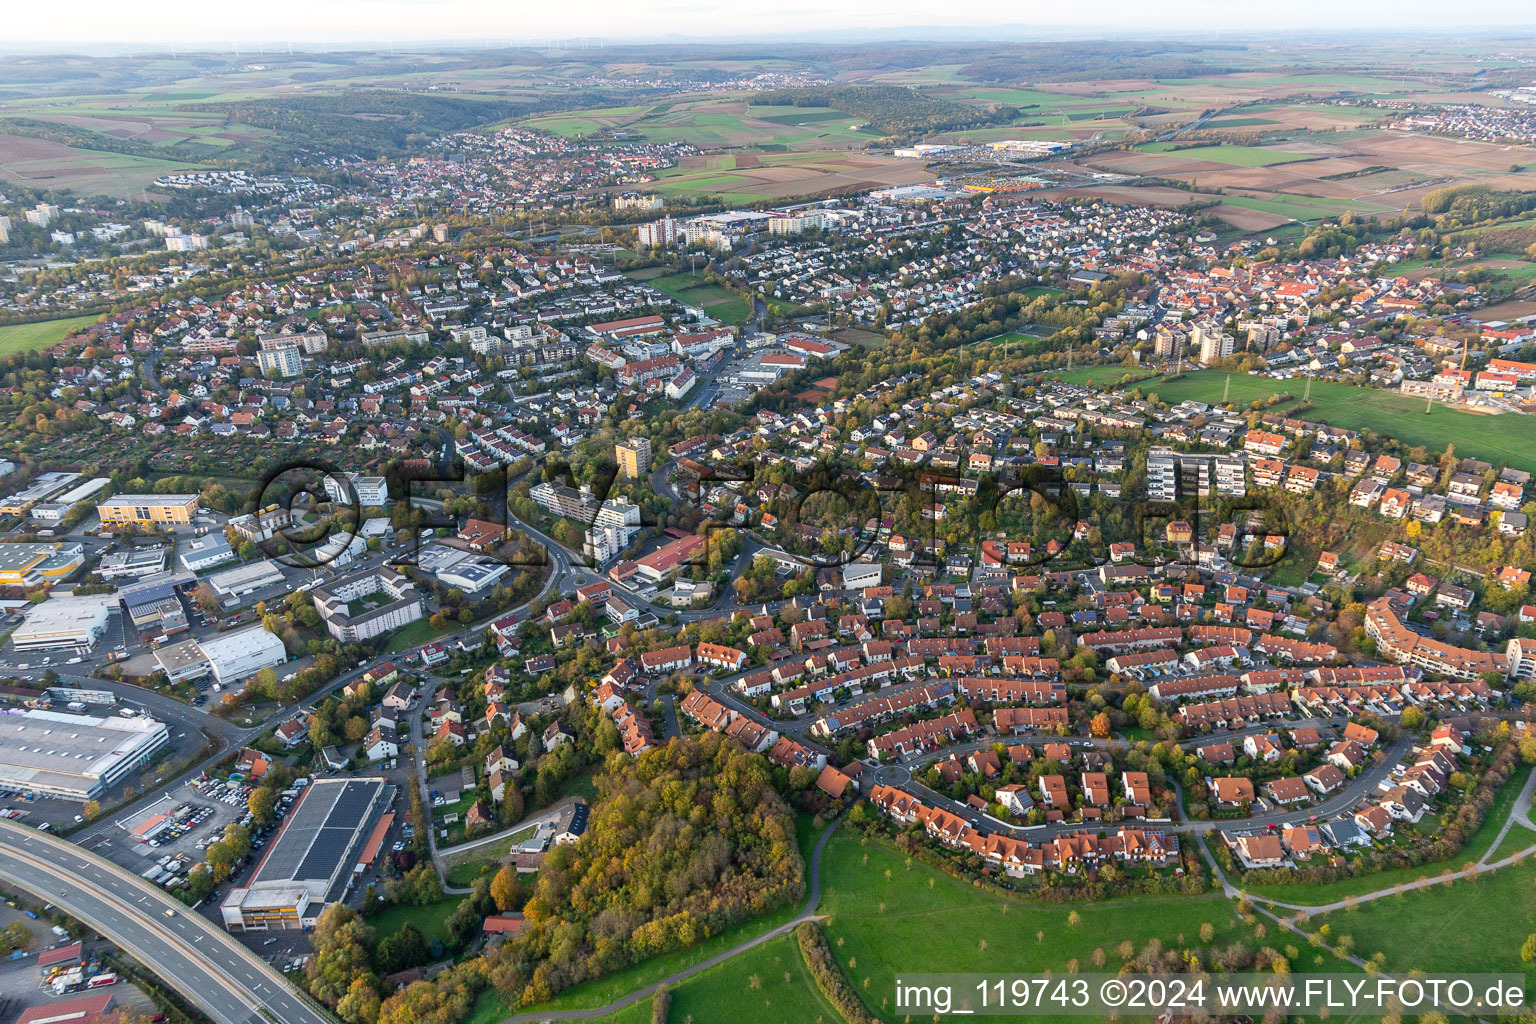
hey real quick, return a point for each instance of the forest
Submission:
(894, 110)
(372, 122)
(684, 842)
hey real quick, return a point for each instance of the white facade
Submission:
(74, 757)
(388, 602)
(63, 622)
(858, 575)
(237, 656)
(370, 490)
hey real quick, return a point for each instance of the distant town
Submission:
(552, 536)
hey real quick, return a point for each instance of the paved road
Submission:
(1519, 814)
(226, 980)
(807, 913)
(425, 788)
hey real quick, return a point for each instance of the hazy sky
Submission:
(340, 22)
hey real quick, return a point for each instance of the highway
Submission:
(197, 959)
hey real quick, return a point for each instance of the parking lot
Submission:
(209, 811)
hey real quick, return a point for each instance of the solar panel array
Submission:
(324, 827)
(340, 831)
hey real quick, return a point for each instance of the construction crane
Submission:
(1258, 264)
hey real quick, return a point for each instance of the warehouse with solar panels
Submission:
(331, 836)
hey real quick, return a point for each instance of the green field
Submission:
(1519, 838)
(1304, 207)
(720, 303)
(1237, 156)
(1416, 932)
(90, 172)
(431, 919)
(695, 122)
(766, 985)
(800, 115)
(1100, 376)
(1238, 122)
(883, 909)
(42, 334)
(1508, 438)
(418, 632)
(585, 122)
(490, 1008)
(1525, 273)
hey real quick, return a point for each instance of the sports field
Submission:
(720, 303)
(43, 334)
(1509, 438)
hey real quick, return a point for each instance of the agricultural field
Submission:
(760, 177)
(712, 123)
(573, 124)
(40, 335)
(1237, 156)
(43, 163)
(1508, 266)
(1507, 438)
(1308, 162)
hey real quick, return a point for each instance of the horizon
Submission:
(419, 24)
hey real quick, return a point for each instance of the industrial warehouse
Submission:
(63, 622)
(230, 657)
(334, 831)
(74, 757)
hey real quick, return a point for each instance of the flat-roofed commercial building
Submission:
(246, 579)
(236, 656)
(152, 601)
(148, 509)
(205, 552)
(64, 622)
(42, 488)
(367, 604)
(32, 565)
(328, 839)
(134, 562)
(183, 661)
(74, 757)
(89, 489)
